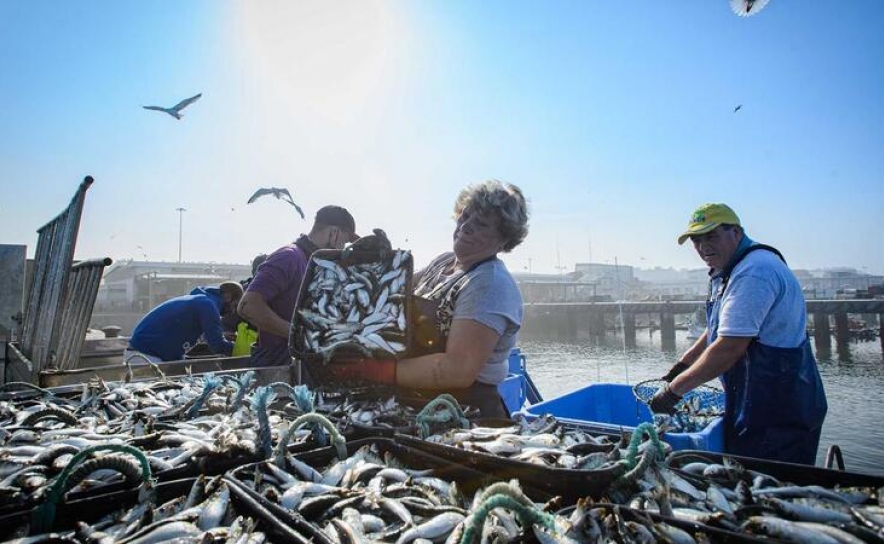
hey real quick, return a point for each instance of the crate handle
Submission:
(43, 516)
(337, 440)
(527, 515)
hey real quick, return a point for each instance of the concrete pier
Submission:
(822, 334)
(571, 320)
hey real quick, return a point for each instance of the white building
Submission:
(141, 285)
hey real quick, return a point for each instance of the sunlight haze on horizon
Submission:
(616, 119)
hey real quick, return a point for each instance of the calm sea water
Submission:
(854, 383)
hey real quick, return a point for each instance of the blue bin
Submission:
(613, 407)
(512, 391)
(516, 361)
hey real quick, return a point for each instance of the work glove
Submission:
(676, 369)
(381, 371)
(664, 401)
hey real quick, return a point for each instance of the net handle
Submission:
(657, 383)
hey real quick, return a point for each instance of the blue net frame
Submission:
(704, 400)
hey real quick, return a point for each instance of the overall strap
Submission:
(441, 288)
(726, 273)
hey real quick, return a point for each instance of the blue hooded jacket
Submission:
(180, 321)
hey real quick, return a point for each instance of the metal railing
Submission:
(43, 319)
(77, 311)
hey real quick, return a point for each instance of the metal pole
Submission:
(180, 229)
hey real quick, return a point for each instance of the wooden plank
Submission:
(143, 371)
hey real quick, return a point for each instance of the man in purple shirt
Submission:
(271, 298)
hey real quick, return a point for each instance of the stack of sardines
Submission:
(192, 510)
(353, 304)
(541, 453)
(785, 501)
(372, 415)
(184, 427)
(381, 491)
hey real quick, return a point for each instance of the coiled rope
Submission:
(442, 409)
(43, 517)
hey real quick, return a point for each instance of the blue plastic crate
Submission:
(613, 407)
(512, 391)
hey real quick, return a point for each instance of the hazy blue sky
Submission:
(615, 118)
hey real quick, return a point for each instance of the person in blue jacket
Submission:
(756, 341)
(177, 324)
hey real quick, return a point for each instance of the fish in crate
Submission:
(353, 304)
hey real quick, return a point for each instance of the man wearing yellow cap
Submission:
(755, 341)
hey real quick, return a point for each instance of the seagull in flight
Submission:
(175, 111)
(738, 108)
(745, 8)
(282, 194)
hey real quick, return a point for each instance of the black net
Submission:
(702, 401)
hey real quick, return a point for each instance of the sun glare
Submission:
(320, 58)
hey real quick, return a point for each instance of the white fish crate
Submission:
(353, 304)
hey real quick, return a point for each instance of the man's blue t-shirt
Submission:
(763, 300)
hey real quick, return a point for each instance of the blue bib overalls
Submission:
(774, 398)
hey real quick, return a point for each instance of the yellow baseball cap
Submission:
(706, 218)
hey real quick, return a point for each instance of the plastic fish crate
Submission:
(711, 534)
(613, 407)
(570, 484)
(788, 472)
(468, 479)
(297, 347)
(91, 509)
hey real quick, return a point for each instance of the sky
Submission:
(616, 119)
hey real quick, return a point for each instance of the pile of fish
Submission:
(723, 493)
(387, 413)
(543, 441)
(354, 308)
(179, 425)
(205, 514)
(375, 496)
(216, 423)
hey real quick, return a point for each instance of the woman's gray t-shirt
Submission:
(488, 294)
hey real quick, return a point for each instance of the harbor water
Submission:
(854, 382)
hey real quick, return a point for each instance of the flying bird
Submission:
(738, 108)
(282, 194)
(745, 8)
(175, 111)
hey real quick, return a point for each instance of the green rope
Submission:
(43, 516)
(527, 516)
(337, 440)
(260, 399)
(450, 398)
(210, 383)
(637, 435)
(510, 489)
(636, 472)
(245, 383)
(446, 409)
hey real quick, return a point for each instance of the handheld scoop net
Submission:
(702, 401)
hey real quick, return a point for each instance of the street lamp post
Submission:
(180, 229)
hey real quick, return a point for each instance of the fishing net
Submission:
(702, 401)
